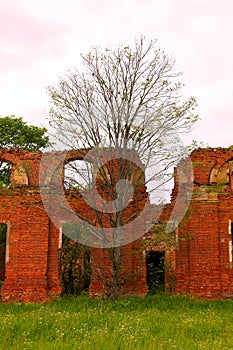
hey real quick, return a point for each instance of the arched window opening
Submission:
(78, 175)
(3, 238)
(223, 175)
(5, 173)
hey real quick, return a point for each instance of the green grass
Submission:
(153, 323)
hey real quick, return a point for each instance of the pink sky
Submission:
(41, 40)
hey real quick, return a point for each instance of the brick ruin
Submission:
(33, 242)
(200, 264)
(203, 262)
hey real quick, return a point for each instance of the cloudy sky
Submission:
(41, 40)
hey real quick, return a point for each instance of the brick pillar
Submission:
(26, 271)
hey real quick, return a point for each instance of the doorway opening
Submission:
(155, 272)
(3, 236)
(75, 270)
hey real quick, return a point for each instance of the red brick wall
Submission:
(202, 259)
(133, 270)
(201, 262)
(25, 276)
(32, 272)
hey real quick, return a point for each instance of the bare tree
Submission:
(127, 109)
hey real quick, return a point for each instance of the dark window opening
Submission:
(155, 272)
(5, 173)
(3, 233)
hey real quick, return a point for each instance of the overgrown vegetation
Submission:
(125, 105)
(155, 272)
(15, 133)
(155, 322)
(75, 271)
(3, 231)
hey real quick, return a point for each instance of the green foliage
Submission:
(155, 322)
(159, 237)
(170, 275)
(74, 267)
(3, 231)
(15, 133)
(155, 272)
(216, 187)
(4, 173)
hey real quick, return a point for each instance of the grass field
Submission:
(155, 322)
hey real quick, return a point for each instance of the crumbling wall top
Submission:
(208, 162)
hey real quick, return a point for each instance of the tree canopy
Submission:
(15, 133)
(127, 97)
(127, 100)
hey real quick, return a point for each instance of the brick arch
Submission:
(18, 173)
(32, 272)
(5, 157)
(219, 173)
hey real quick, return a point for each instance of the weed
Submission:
(154, 322)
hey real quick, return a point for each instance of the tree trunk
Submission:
(115, 286)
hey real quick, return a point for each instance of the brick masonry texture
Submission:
(203, 260)
(32, 265)
(201, 264)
